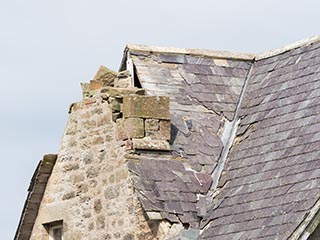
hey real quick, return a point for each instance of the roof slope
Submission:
(204, 92)
(167, 190)
(272, 177)
(174, 185)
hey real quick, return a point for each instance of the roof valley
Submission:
(228, 137)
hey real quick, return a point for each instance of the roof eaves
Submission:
(289, 47)
(190, 51)
(29, 213)
(308, 225)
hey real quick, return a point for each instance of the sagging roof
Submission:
(36, 190)
(270, 180)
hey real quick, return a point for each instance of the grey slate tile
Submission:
(278, 161)
(173, 207)
(198, 60)
(172, 58)
(273, 171)
(197, 69)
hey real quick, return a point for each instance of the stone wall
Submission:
(90, 188)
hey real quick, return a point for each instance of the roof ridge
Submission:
(193, 51)
(224, 54)
(298, 44)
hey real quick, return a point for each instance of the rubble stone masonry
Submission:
(90, 188)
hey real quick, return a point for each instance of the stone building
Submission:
(187, 144)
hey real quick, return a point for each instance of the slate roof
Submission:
(166, 187)
(203, 91)
(271, 178)
(269, 187)
(197, 117)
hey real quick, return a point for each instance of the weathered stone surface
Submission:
(146, 107)
(90, 185)
(121, 130)
(97, 206)
(151, 144)
(87, 92)
(105, 75)
(152, 124)
(165, 129)
(115, 104)
(68, 195)
(154, 215)
(123, 82)
(156, 135)
(130, 128)
(156, 129)
(124, 74)
(70, 166)
(108, 91)
(134, 127)
(95, 85)
(111, 192)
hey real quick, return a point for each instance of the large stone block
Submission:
(123, 82)
(115, 104)
(87, 92)
(146, 107)
(152, 124)
(107, 92)
(121, 131)
(165, 129)
(105, 75)
(134, 127)
(95, 85)
(130, 128)
(151, 144)
(158, 131)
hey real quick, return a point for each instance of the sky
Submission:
(48, 47)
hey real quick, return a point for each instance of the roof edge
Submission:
(308, 225)
(222, 54)
(192, 51)
(277, 51)
(45, 167)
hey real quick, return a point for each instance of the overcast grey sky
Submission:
(48, 47)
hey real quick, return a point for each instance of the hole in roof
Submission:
(136, 81)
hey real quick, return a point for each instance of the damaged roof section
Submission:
(204, 91)
(36, 190)
(167, 190)
(272, 176)
(193, 80)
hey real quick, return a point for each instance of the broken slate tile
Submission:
(173, 207)
(171, 217)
